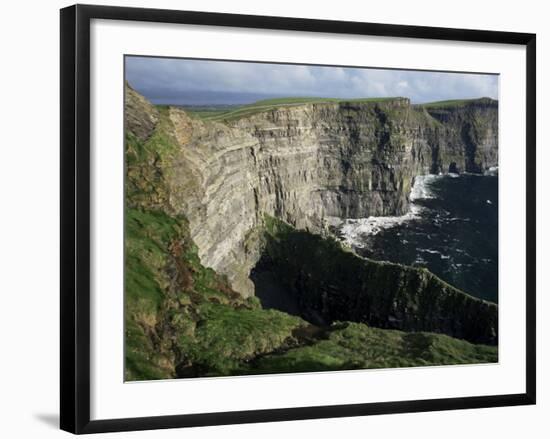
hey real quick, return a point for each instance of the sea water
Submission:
(451, 229)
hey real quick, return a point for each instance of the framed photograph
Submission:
(272, 218)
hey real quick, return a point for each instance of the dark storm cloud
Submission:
(170, 80)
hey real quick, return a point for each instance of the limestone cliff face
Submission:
(468, 138)
(304, 163)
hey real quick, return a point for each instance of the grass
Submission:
(147, 238)
(179, 312)
(235, 113)
(145, 185)
(148, 235)
(453, 103)
(142, 359)
(226, 337)
(358, 346)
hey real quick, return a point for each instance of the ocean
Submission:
(451, 229)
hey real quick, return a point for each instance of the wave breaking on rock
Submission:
(354, 231)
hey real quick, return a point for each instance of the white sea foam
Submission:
(421, 189)
(354, 230)
(427, 250)
(434, 252)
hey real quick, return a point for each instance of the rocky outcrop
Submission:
(332, 284)
(140, 116)
(306, 163)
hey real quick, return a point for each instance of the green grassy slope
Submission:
(358, 346)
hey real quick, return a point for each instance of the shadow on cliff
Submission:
(271, 291)
(315, 278)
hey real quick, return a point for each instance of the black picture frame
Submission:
(75, 217)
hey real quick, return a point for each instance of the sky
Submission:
(199, 82)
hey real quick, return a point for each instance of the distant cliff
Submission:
(302, 164)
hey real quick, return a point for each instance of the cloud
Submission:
(165, 79)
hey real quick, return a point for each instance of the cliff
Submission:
(205, 201)
(333, 284)
(303, 164)
(469, 135)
